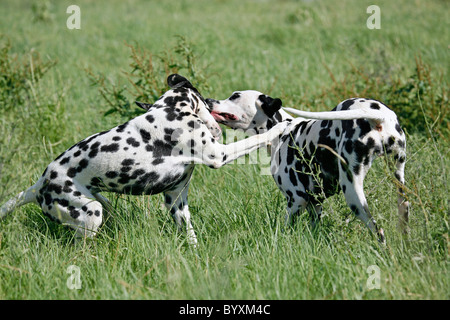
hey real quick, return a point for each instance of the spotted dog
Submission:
(152, 153)
(337, 146)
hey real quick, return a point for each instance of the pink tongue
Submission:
(217, 116)
(222, 116)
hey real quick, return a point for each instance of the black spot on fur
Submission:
(347, 127)
(290, 154)
(161, 149)
(375, 106)
(292, 177)
(150, 118)
(122, 127)
(63, 202)
(128, 162)
(93, 153)
(125, 169)
(67, 186)
(95, 145)
(157, 161)
(56, 188)
(82, 165)
(113, 147)
(111, 174)
(364, 127)
(96, 182)
(193, 124)
(398, 128)
(234, 96)
(145, 135)
(346, 104)
(391, 141)
(71, 172)
(137, 173)
(349, 146)
(73, 212)
(303, 125)
(64, 161)
(132, 142)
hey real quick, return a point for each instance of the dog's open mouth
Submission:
(223, 116)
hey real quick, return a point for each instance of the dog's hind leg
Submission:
(356, 200)
(295, 206)
(76, 208)
(177, 203)
(315, 213)
(107, 205)
(83, 214)
(403, 204)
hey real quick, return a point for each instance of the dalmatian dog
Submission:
(337, 146)
(152, 153)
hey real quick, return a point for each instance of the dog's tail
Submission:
(22, 198)
(375, 115)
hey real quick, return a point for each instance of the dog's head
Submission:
(180, 87)
(246, 110)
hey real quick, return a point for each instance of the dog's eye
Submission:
(234, 96)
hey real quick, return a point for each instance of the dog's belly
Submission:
(150, 182)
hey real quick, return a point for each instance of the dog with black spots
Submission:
(337, 146)
(152, 153)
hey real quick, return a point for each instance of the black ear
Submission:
(176, 81)
(143, 105)
(270, 105)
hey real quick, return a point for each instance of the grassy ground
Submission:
(290, 49)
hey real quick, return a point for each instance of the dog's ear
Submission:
(270, 105)
(176, 81)
(143, 105)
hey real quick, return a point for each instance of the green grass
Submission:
(289, 49)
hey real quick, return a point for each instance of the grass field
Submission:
(311, 54)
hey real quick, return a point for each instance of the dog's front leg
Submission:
(216, 155)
